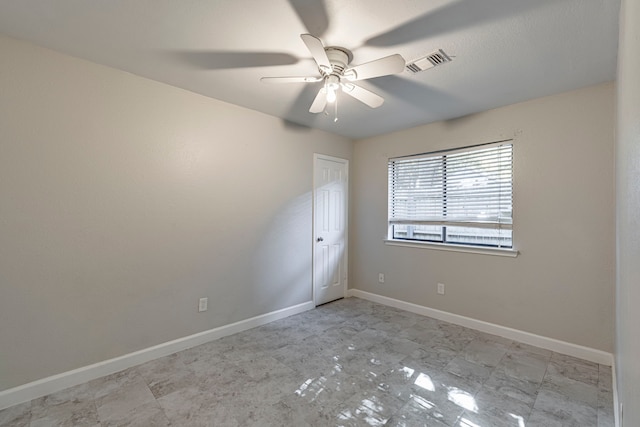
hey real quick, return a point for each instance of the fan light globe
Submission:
(332, 85)
(331, 95)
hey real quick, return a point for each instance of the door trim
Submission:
(345, 162)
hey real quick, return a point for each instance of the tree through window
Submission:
(462, 196)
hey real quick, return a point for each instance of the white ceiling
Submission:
(506, 51)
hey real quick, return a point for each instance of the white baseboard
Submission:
(586, 353)
(42, 387)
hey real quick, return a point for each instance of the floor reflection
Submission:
(351, 362)
(425, 382)
(462, 399)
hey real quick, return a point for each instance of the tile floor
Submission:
(348, 363)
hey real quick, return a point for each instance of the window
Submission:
(462, 196)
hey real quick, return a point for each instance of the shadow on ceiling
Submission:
(454, 16)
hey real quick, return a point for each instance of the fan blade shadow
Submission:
(313, 15)
(298, 111)
(218, 60)
(457, 15)
(425, 98)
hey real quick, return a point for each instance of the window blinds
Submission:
(472, 187)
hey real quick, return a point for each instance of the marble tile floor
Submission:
(348, 363)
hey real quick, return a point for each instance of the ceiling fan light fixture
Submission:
(331, 95)
(333, 66)
(332, 85)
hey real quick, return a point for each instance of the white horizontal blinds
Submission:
(471, 188)
(479, 186)
(415, 188)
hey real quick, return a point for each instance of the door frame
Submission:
(345, 162)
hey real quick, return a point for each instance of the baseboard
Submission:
(42, 387)
(586, 353)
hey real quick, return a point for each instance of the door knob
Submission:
(319, 239)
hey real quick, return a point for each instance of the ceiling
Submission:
(505, 51)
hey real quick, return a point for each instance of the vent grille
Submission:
(413, 68)
(432, 60)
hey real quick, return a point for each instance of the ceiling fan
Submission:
(333, 66)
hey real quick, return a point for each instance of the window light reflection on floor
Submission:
(301, 390)
(466, 423)
(519, 419)
(462, 399)
(311, 388)
(421, 402)
(369, 410)
(408, 371)
(425, 382)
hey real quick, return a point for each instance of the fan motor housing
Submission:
(339, 58)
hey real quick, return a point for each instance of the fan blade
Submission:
(316, 48)
(319, 102)
(290, 79)
(363, 95)
(392, 64)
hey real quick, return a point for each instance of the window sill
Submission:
(453, 248)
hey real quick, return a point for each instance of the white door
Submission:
(330, 228)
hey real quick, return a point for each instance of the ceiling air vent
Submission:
(432, 60)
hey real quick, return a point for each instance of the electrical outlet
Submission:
(202, 304)
(441, 288)
(380, 277)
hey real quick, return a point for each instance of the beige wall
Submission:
(562, 284)
(123, 201)
(628, 214)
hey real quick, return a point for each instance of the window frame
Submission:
(440, 191)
